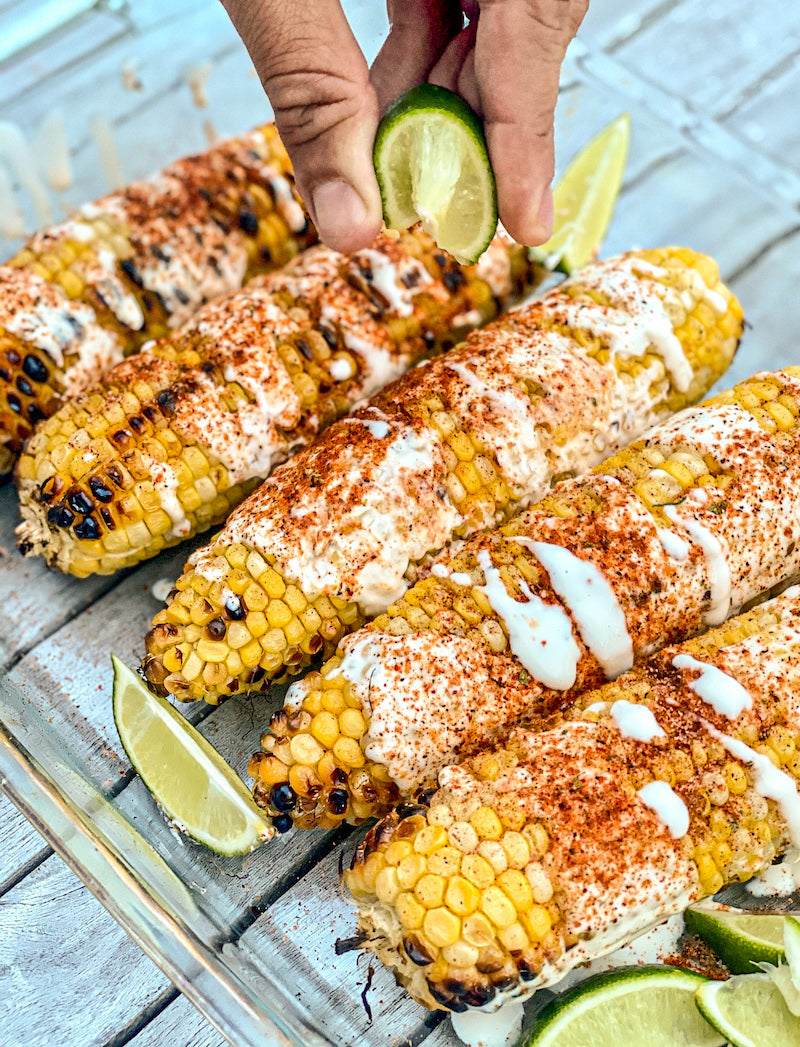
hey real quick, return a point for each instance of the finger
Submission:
(458, 58)
(519, 47)
(420, 31)
(325, 109)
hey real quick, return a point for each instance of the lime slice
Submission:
(740, 939)
(646, 1006)
(584, 199)
(187, 777)
(749, 1011)
(432, 164)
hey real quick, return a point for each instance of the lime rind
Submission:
(786, 977)
(648, 1005)
(198, 792)
(432, 164)
(584, 199)
(741, 939)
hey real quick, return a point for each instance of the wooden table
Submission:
(726, 70)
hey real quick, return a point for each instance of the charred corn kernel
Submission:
(467, 464)
(442, 927)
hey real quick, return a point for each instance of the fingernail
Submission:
(339, 211)
(542, 225)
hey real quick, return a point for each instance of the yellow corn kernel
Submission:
(272, 583)
(735, 778)
(333, 702)
(494, 855)
(238, 635)
(536, 835)
(409, 870)
(497, 907)
(722, 854)
(514, 938)
(429, 890)
(387, 885)
(278, 614)
(462, 896)
(270, 770)
(478, 930)
(325, 728)
(398, 850)
(446, 861)
(212, 650)
(442, 927)
(409, 911)
(430, 839)
(517, 849)
(516, 886)
(348, 752)
(461, 954)
(537, 921)
(486, 824)
(477, 870)
(306, 749)
(352, 723)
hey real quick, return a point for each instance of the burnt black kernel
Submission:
(24, 385)
(266, 254)
(5, 374)
(283, 797)
(166, 400)
(445, 998)
(440, 259)
(447, 344)
(150, 413)
(13, 357)
(130, 270)
(282, 823)
(257, 674)
(416, 953)
(88, 529)
(34, 413)
(338, 776)
(113, 473)
(181, 295)
(136, 423)
(14, 402)
(215, 629)
(330, 336)
(248, 221)
(108, 519)
(410, 279)
(337, 801)
(408, 810)
(504, 983)
(429, 338)
(426, 795)
(80, 503)
(34, 368)
(121, 437)
(159, 253)
(49, 488)
(304, 348)
(453, 279)
(478, 995)
(100, 489)
(60, 516)
(204, 195)
(235, 608)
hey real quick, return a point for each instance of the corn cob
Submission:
(563, 844)
(451, 447)
(81, 295)
(661, 541)
(170, 440)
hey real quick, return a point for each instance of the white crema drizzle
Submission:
(770, 781)
(725, 695)
(643, 323)
(636, 721)
(719, 575)
(540, 634)
(592, 602)
(386, 280)
(668, 806)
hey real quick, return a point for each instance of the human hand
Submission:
(505, 63)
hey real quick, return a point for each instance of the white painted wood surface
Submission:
(715, 162)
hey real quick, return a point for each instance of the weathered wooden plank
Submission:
(35, 599)
(295, 940)
(768, 120)
(179, 1025)
(22, 28)
(607, 24)
(70, 974)
(712, 53)
(20, 844)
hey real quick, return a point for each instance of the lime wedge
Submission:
(740, 939)
(193, 785)
(749, 1011)
(584, 199)
(432, 164)
(642, 1006)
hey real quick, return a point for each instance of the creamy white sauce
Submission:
(540, 634)
(340, 369)
(161, 588)
(104, 276)
(461, 578)
(770, 781)
(674, 546)
(641, 324)
(592, 602)
(386, 279)
(782, 879)
(725, 695)
(719, 575)
(482, 1028)
(438, 570)
(285, 204)
(670, 808)
(165, 481)
(494, 266)
(635, 721)
(380, 430)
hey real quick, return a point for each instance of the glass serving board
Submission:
(251, 940)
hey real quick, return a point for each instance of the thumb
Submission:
(325, 110)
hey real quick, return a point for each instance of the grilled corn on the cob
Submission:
(171, 439)
(663, 539)
(565, 843)
(81, 295)
(451, 447)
